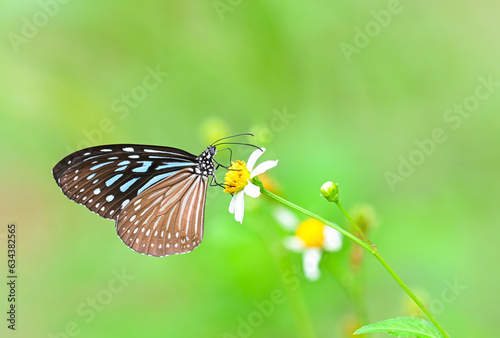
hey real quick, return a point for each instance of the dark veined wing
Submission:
(167, 218)
(106, 178)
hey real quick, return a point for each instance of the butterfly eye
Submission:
(213, 151)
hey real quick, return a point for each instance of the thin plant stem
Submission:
(377, 255)
(366, 244)
(319, 218)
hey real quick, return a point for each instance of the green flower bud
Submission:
(330, 191)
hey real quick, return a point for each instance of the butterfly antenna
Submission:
(242, 134)
(245, 144)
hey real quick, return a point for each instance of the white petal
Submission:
(254, 157)
(293, 243)
(287, 219)
(239, 206)
(252, 190)
(263, 167)
(333, 239)
(232, 204)
(311, 263)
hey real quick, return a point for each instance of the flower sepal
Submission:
(256, 181)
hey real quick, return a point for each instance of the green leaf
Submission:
(403, 327)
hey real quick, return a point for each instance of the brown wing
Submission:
(167, 218)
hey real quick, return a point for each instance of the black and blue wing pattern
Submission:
(155, 194)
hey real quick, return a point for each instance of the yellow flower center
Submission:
(311, 232)
(237, 177)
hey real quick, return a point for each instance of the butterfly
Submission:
(155, 194)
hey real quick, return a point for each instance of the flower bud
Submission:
(330, 191)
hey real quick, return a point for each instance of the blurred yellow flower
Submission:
(311, 239)
(311, 233)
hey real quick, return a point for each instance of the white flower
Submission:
(311, 239)
(238, 181)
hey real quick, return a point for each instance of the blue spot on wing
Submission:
(173, 165)
(186, 160)
(113, 180)
(90, 157)
(127, 185)
(124, 203)
(145, 166)
(100, 165)
(154, 180)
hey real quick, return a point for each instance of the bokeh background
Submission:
(341, 91)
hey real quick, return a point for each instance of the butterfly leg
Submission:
(214, 183)
(230, 159)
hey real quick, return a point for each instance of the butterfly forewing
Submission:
(168, 218)
(106, 178)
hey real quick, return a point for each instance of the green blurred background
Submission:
(277, 69)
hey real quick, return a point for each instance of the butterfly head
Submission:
(206, 165)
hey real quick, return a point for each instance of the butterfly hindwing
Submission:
(106, 178)
(167, 218)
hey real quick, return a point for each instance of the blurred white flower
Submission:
(311, 239)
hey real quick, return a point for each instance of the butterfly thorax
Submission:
(205, 161)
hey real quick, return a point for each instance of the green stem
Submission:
(319, 218)
(377, 255)
(354, 224)
(366, 244)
